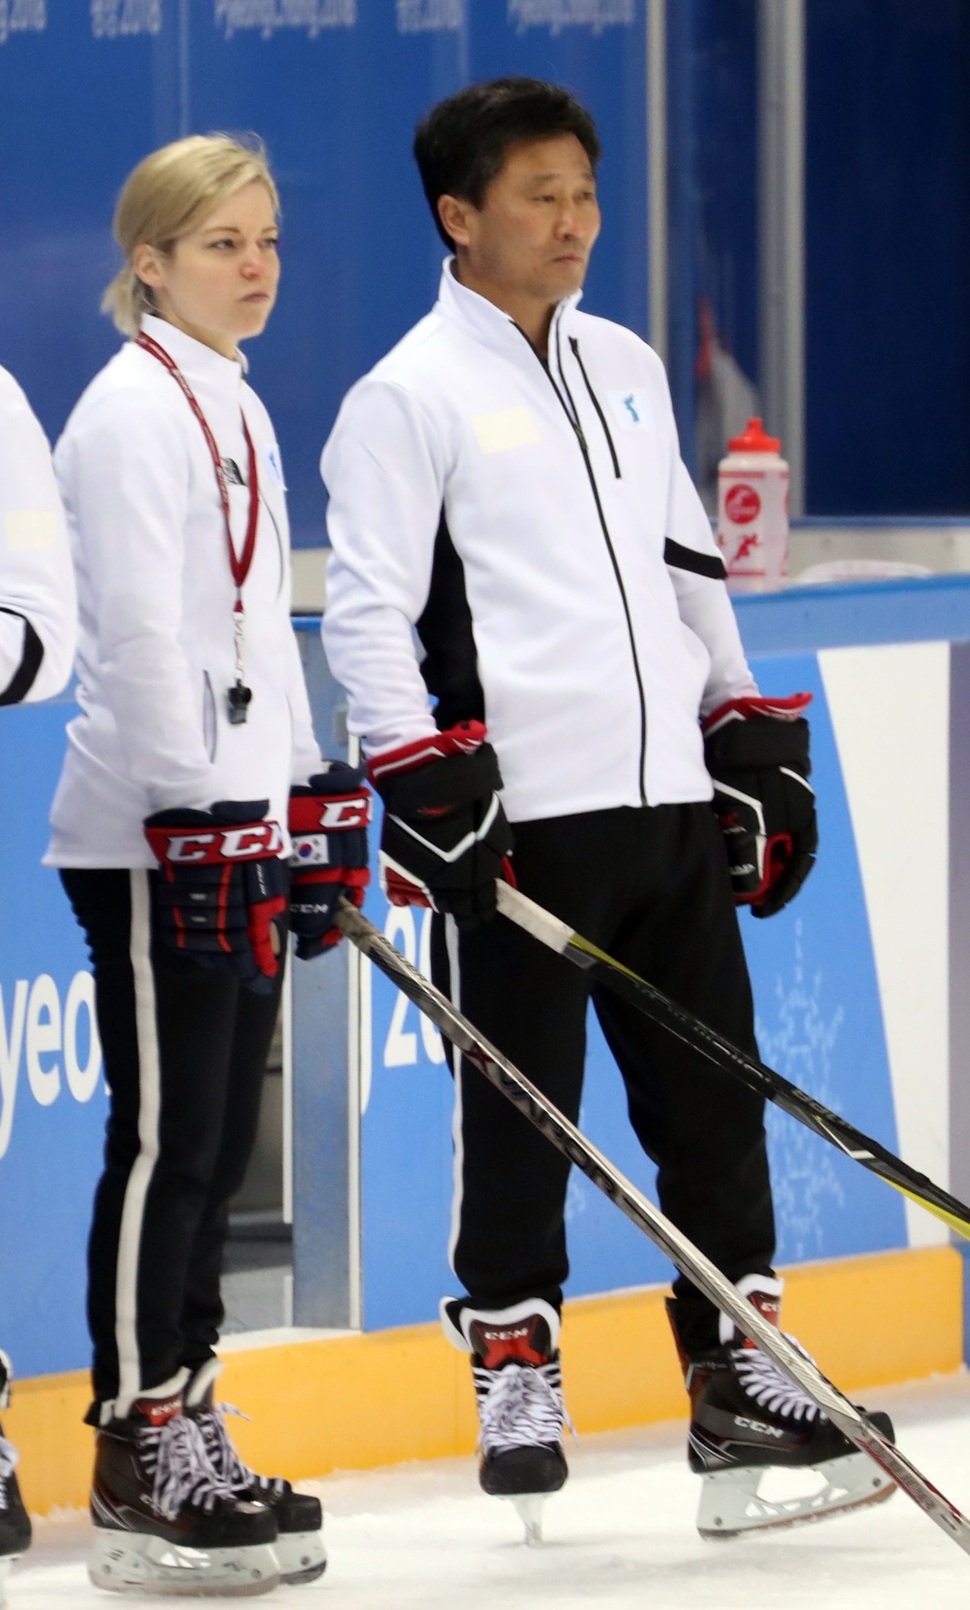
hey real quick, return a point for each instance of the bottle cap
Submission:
(754, 440)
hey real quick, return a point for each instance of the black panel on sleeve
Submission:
(25, 675)
(702, 564)
(450, 665)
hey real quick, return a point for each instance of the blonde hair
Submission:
(167, 196)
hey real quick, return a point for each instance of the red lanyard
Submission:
(238, 565)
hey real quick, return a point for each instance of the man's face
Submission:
(533, 234)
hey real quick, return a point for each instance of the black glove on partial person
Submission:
(757, 753)
(445, 837)
(222, 892)
(328, 830)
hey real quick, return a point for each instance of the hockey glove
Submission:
(756, 751)
(328, 827)
(222, 891)
(445, 838)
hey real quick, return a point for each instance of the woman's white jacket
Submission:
(156, 652)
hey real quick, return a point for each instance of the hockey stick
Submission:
(689, 1259)
(764, 1081)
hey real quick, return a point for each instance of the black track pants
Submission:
(184, 1053)
(650, 887)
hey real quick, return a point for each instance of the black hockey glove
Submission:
(756, 751)
(445, 838)
(328, 829)
(222, 891)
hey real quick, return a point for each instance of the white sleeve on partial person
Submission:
(125, 476)
(383, 468)
(38, 603)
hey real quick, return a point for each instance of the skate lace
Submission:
(769, 1387)
(223, 1454)
(8, 1462)
(519, 1406)
(176, 1455)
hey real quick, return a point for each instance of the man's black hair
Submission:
(462, 144)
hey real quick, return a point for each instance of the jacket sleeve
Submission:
(384, 469)
(125, 477)
(38, 606)
(697, 573)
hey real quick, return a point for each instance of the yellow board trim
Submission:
(357, 1401)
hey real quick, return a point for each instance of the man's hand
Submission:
(328, 828)
(222, 891)
(445, 837)
(756, 751)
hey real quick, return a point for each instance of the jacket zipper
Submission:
(573, 416)
(574, 349)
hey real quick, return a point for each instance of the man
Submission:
(37, 635)
(515, 535)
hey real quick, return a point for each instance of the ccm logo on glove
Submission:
(207, 849)
(328, 830)
(221, 894)
(757, 752)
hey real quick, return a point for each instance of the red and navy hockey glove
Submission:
(445, 837)
(756, 751)
(328, 827)
(222, 891)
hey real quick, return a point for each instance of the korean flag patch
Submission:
(632, 410)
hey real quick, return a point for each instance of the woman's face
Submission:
(219, 282)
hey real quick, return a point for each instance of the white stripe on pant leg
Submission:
(149, 1102)
(457, 1141)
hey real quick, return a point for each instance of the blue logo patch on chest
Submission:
(632, 410)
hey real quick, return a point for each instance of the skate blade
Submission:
(301, 1556)
(136, 1562)
(529, 1507)
(731, 1504)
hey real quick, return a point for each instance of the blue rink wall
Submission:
(860, 993)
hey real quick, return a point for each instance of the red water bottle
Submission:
(752, 511)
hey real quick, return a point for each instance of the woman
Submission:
(193, 747)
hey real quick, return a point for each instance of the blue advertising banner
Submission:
(334, 88)
(53, 1101)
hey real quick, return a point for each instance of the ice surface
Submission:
(620, 1534)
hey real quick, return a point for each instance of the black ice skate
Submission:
(747, 1418)
(518, 1389)
(165, 1522)
(299, 1517)
(15, 1529)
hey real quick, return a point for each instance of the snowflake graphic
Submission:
(799, 1043)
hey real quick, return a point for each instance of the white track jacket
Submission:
(38, 607)
(522, 541)
(156, 650)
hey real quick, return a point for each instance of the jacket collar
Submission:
(198, 363)
(481, 317)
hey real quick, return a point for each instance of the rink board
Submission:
(861, 999)
(354, 1402)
